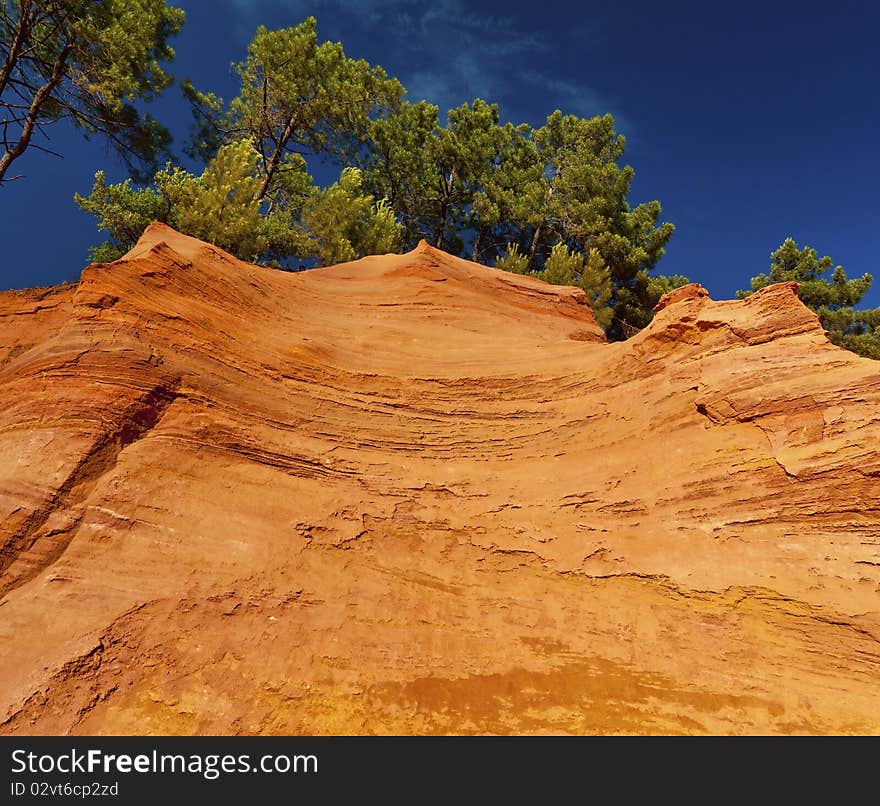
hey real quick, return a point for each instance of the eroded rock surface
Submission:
(416, 495)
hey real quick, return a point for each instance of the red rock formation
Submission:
(416, 495)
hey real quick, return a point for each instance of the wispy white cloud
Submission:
(575, 98)
(447, 52)
(451, 82)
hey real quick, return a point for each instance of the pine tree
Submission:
(635, 303)
(586, 271)
(551, 201)
(297, 97)
(832, 298)
(344, 222)
(513, 260)
(86, 61)
(398, 165)
(333, 224)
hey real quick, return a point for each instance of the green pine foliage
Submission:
(506, 195)
(221, 205)
(635, 303)
(513, 260)
(586, 271)
(296, 97)
(398, 166)
(217, 205)
(344, 223)
(551, 201)
(833, 297)
(123, 212)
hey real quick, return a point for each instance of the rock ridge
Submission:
(413, 494)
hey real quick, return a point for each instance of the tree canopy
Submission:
(552, 200)
(89, 62)
(296, 97)
(219, 205)
(585, 270)
(833, 297)
(510, 195)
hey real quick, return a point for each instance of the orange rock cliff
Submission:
(411, 494)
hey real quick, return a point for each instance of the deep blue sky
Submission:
(749, 121)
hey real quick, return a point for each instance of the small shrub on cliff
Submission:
(513, 260)
(586, 271)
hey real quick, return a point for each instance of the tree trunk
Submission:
(534, 247)
(441, 226)
(40, 97)
(478, 242)
(274, 161)
(15, 48)
(446, 187)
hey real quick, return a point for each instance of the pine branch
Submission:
(41, 96)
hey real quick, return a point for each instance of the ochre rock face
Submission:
(416, 495)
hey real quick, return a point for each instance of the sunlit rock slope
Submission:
(412, 494)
